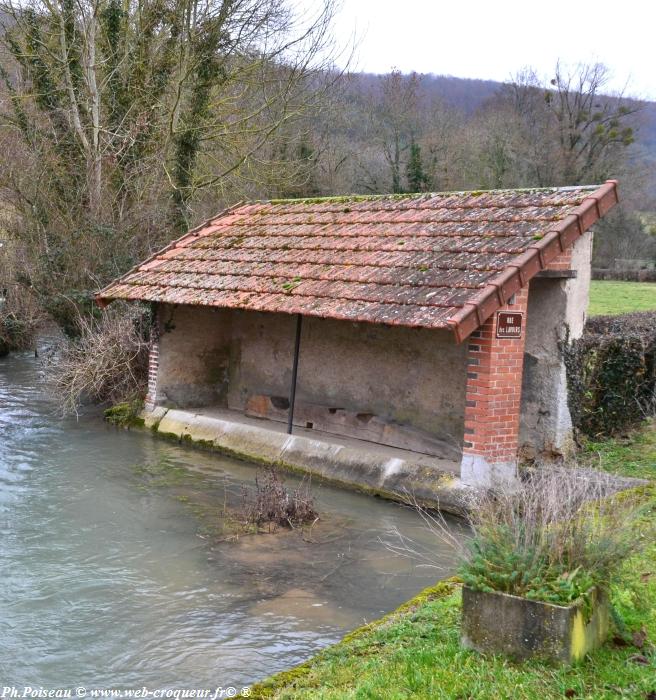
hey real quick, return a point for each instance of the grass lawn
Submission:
(610, 298)
(631, 456)
(415, 652)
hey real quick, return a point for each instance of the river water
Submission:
(118, 570)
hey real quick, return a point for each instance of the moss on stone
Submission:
(425, 480)
(155, 425)
(126, 414)
(347, 199)
(205, 444)
(169, 436)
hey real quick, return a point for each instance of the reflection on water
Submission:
(114, 572)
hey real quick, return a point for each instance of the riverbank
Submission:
(358, 465)
(415, 651)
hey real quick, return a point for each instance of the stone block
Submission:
(497, 623)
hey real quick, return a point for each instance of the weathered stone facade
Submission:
(406, 376)
(556, 312)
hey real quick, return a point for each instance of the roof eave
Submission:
(102, 300)
(536, 258)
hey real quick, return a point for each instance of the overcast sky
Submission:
(494, 38)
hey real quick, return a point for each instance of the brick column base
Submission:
(493, 401)
(153, 366)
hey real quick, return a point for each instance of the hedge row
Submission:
(611, 373)
(599, 273)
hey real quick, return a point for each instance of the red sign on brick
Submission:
(509, 324)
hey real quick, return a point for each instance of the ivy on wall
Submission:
(611, 374)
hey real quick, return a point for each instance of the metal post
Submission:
(292, 388)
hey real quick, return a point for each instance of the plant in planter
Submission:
(538, 564)
(538, 568)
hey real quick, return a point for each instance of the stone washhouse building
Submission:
(398, 344)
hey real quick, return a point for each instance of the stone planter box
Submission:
(497, 623)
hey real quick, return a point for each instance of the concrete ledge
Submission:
(406, 478)
(477, 472)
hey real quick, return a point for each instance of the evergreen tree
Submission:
(417, 178)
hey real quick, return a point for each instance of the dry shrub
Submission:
(20, 319)
(552, 537)
(20, 314)
(272, 505)
(107, 363)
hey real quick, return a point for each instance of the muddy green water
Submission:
(114, 571)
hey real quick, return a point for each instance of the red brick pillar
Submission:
(493, 399)
(153, 365)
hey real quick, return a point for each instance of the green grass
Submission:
(612, 298)
(634, 455)
(415, 652)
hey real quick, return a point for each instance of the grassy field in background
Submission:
(415, 652)
(611, 298)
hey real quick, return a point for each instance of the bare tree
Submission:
(445, 143)
(574, 130)
(622, 236)
(121, 114)
(394, 114)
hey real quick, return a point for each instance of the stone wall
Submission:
(194, 356)
(556, 309)
(414, 377)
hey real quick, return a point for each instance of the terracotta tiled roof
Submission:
(429, 260)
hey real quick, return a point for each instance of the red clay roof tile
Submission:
(428, 260)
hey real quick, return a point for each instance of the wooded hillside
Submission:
(124, 124)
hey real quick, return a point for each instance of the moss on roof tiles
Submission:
(347, 199)
(296, 261)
